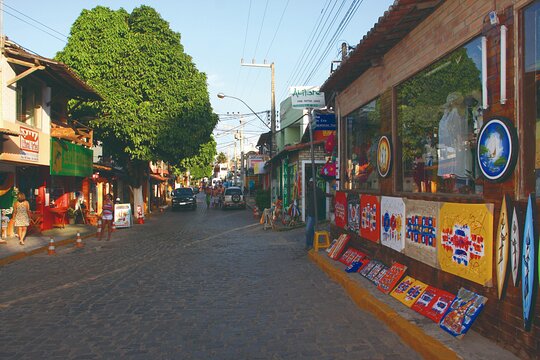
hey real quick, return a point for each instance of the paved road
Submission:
(207, 284)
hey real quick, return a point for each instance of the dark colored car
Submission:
(183, 198)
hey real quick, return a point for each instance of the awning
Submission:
(5, 131)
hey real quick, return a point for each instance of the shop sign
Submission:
(29, 144)
(69, 159)
(306, 97)
(122, 215)
(324, 121)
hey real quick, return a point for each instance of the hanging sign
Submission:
(306, 97)
(324, 121)
(496, 151)
(29, 144)
(69, 159)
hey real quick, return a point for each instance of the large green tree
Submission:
(156, 104)
(201, 165)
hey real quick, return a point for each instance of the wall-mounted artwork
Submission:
(462, 313)
(370, 212)
(497, 149)
(528, 261)
(393, 222)
(502, 245)
(353, 213)
(433, 303)
(465, 246)
(384, 156)
(340, 209)
(392, 277)
(515, 243)
(422, 219)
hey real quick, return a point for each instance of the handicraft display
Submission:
(393, 222)
(337, 247)
(370, 211)
(465, 246)
(407, 292)
(378, 266)
(401, 289)
(353, 213)
(462, 312)
(382, 273)
(367, 269)
(433, 303)
(350, 255)
(497, 149)
(515, 243)
(528, 261)
(421, 231)
(384, 156)
(340, 209)
(502, 244)
(392, 277)
(358, 265)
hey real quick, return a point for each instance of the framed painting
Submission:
(370, 210)
(464, 309)
(421, 221)
(393, 222)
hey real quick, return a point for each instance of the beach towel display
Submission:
(462, 312)
(392, 277)
(433, 303)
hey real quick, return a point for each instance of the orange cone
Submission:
(79, 243)
(52, 248)
(98, 228)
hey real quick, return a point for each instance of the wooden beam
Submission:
(24, 74)
(21, 62)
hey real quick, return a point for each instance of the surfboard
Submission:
(514, 246)
(502, 244)
(527, 262)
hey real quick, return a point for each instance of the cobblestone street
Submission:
(207, 284)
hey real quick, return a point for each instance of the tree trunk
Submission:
(137, 201)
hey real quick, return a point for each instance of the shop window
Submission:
(363, 131)
(439, 116)
(531, 79)
(28, 101)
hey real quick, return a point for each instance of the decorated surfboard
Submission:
(528, 260)
(514, 246)
(502, 245)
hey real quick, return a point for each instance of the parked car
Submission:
(183, 198)
(233, 197)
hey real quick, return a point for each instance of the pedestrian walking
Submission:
(106, 217)
(21, 216)
(208, 194)
(310, 211)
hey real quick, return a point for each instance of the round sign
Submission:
(384, 156)
(496, 149)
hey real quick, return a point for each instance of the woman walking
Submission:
(21, 216)
(107, 217)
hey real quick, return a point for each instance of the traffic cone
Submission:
(79, 243)
(52, 248)
(98, 233)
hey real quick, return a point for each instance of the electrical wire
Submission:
(36, 27)
(37, 21)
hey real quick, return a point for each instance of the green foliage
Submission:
(221, 158)
(201, 165)
(156, 104)
(262, 199)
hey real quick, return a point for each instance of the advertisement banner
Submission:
(122, 215)
(29, 144)
(70, 159)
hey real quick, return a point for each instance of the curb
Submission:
(427, 346)
(42, 249)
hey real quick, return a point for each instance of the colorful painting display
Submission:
(353, 213)
(378, 266)
(382, 273)
(367, 269)
(462, 312)
(408, 291)
(528, 261)
(370, 210)
(337, 247)
(358, 265)
(421, 231)
(393, 222)
(502, 244)
(340, 210)
(350, 255)
(515, 243)
(433, 303)
(392, 277)
(465, 246)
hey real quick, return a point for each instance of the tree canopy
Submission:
(156, 104)
(201, 165)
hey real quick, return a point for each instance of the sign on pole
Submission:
(306, 97)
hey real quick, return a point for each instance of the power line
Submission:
(37, 21)
(34, 26)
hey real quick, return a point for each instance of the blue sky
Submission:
(301, 37)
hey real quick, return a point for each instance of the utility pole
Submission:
(272, 116)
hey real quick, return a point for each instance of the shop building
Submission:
(437, 120)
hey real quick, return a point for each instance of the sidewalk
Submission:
(36, 243)
(417, 331)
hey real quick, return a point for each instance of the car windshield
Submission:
(233, 192)
(183, 192)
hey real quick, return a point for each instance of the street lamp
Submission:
(222, 96)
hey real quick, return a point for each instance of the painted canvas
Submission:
(465, 246)
(462, 312)
(369, 266)
(370, 210)
(392, 277)
(422, 218)
(337, 248)
(401, 289)
(393, 222)
(340, 209)
(515, 243)
(528, 261)
(353, 213)
(433, 303)
(350, 255)
(375, 270)
(358, 265)
(413, 293)
(502, 245)
(380, 275)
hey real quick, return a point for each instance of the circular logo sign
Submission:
(496, 149)
(384, 156)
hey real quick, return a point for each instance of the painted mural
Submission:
(370, 210)
(465, 246)
(353, 213)
(340, 210)
(393, 222)
(462, 313)
(422, 218)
